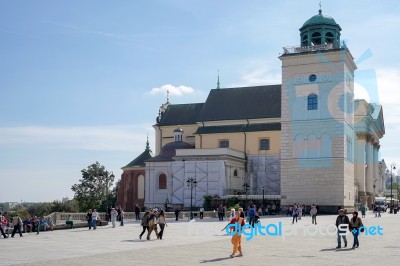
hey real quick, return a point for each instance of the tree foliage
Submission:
(93, 191)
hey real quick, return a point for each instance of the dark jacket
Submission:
(342, 220)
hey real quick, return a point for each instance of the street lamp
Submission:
(246, 187)
(392, 167)
(192, 183)
(263, 201)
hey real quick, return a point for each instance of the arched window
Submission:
(305, 40)
(162, 181)
(316, 38)
(329, 37)
(312, 102)
(140, 187)
(235, 173)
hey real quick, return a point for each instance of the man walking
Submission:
(252, 215)
(137, 212)
(95, 216)
(201, 212)
(17, 222)
(113, 215)
(342, 224)
(221, 213)
(313, 214)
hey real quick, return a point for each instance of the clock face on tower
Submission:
(312, 78)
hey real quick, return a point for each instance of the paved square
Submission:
(203, 242)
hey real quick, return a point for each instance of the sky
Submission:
(82, 81)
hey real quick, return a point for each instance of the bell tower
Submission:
(317, 118)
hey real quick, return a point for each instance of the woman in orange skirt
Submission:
(237, 237)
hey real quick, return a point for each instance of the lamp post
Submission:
(192, 183)
(246, 187)
(392, 167)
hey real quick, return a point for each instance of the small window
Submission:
(264, 144)
(312, 78)
(312, 101)
(162, 181)
(224, 143)
(235, 173)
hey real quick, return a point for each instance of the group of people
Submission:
(150, 221)
(33, 224)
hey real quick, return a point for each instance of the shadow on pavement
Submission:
(336, 249)
(215, 260)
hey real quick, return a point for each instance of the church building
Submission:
(305, 141)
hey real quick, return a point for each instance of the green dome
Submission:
(320, 20)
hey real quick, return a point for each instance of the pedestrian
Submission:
(122, 215)
(241, 213)
(108, 216)
(177, 211)
(313, 213)
(300, 211)
(295, 213)
(379, 210)
(342, 219)
(236, 239)
(355, 227)
(363, 209)
(16, 222)
(152, 224)
(137, 212)
(2, 227)
(201, 212)
(162, 222)
(144, 223)
(119, 213)
(221, 213)
(113, 215)
(69, 221)
(89, 218)
(95, 217)
(252, 214)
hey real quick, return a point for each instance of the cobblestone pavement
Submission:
(203, 243)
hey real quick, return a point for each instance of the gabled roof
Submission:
(242, 103)
(181, 114)
(140, 160)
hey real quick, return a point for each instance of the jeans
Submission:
(251, 220)
(2, 232)
(144, 230)
(294, 217)
(201, 215)
(339, 238)
(16, 228)
(314, 219)
(137, 216)
(94, 224)
(89, 223)
(122, 221)
(161, 230)
(355, 241)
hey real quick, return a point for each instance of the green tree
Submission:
(94, 187)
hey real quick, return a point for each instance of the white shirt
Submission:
(95, 216)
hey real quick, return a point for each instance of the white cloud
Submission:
(109, 138)
(173, 90)
(258, 73)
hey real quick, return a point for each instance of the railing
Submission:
(311, 48)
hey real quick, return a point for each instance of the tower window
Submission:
(224, 143)
(264, 144)
(329, 37)
(162, 181)
(305, 40)
(235, 173)
(316, 38)
(312, 102)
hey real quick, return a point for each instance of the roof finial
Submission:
(320, 8)
(167, 96)
(218, 81)
(147, 142)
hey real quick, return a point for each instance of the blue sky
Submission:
(81, 81)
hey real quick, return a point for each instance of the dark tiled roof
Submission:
(242, 103)
(169, 150)
(239, 128)
(181, 114)
(139, 161)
